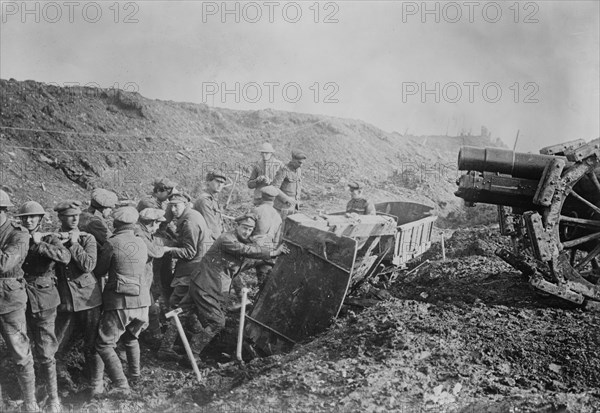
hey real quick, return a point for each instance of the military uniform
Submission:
(193, 239)
(43, 301)
(162, 266)
(227, 257)
(81, 299)
(208, 205)
(92, 222)
(361, 206)
(14, 244)
(267, 231)
(263, 168)
(289, 181)
(156, 250)
(126, 297)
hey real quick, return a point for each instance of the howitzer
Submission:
(550, 204)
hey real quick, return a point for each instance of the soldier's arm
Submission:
(155, 247)
(15, 252)
(277, 181)
(104, 259)
(253, 175)
(84, 253)
(186, 248)
(51, 247)
(239, 249)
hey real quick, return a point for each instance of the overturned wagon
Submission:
(331, 254)
(549, 204)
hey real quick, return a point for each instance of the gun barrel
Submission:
(504, 161)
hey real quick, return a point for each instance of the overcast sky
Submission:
(368, 60)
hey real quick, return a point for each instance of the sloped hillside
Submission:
(60, 142)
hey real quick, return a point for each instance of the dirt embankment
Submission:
(58, 142)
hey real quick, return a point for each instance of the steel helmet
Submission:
(30, 208)
(5, 199)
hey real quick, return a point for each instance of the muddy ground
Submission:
(464, 335)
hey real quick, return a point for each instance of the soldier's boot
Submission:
(153, 335)
(166, 351)
(114, 369)
(49, 373)
(96, 370)
(132, 348)
(26, 377)
(64, 377)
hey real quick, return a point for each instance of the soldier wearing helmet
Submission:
(263, 171)
(14, 243)
(44, 252)
(80, 295)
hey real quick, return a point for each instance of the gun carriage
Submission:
(549, 204)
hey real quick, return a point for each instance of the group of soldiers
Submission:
(98, 278)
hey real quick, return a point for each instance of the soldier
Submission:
(148, 223)
(162, 267)
(95, 219)
(126, 299)
(158, 199)
(225, 259)
(44, 252)
(268, 223)
(359, 204)
(267, 231)
(80, 295)
(208, 205)
(289, 182)
(193, 238)
(263, 171)
(14, 243)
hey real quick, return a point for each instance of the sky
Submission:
(412, 67)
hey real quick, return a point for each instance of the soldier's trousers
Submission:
(126, 323)
(163, 276)
(40, 327)
(13, 327)
(210, 314)
(70, 324)
(14, 332)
